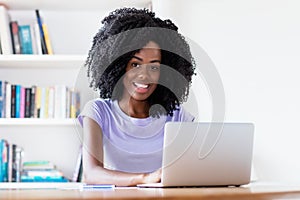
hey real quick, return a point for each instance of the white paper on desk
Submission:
(41, 185)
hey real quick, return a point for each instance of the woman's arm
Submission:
(93, 170)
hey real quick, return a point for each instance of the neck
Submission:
(134, 108)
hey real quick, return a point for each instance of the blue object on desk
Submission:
(98, 186)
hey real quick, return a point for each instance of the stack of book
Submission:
(18, 101)
(18, 38)
(41, 171)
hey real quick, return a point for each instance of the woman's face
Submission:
(142, 72)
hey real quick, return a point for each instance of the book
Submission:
(60, 96)
(1, 161)
(0, 47)
(77, 95)
(38, 165)
(25, 178)
(51, 102)
(46, 103)
(32, 101)
(10, 164)
(41, 171)
(47, 39)
(27, 102)
(37, 105)
(40, 22)
(18, 101)
(37, 38)
(5, 36)
(25, 39)
(68, 102)
(77, 174)
(13, 101)
(8, 100)
(1, 98)
(73, 104)
(17, 154)
(43, 102)
(4, 160)
(15, 40)
(22, 103)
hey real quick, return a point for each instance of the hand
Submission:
(153, 177)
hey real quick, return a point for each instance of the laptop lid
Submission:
(206, 154)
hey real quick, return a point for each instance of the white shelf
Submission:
(36, 122)
(40, 61)
(73, 5)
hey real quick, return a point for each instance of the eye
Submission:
(154, 67)
(135, 65)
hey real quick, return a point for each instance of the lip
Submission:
(141, 87)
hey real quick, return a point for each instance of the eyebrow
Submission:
(140, 59)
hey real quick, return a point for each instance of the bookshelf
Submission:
(41, 61)
(71, 28)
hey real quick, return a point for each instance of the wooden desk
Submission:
(231, 193)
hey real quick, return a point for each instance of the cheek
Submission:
(127, 76)
(155, 77)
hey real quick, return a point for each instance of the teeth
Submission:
(141, 85)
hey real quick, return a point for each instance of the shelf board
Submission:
(39, 61)
(73, 5)
(36, 122)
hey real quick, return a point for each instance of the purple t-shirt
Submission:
(130, 144)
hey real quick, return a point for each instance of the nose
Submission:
(143, 72)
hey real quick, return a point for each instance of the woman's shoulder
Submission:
(99, 102)
(98, 105)
(96, 109)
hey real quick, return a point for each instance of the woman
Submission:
(143, 69)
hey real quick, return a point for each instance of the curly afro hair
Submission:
(124, 32)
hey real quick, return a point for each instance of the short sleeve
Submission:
(93, 111)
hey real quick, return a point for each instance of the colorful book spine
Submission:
(46, 103)
(17, 153)
(32, 101)
(22, 104)
(4, 161)
(37, 106)
(14, 30)
(27, 102)
(25, 39)
(13, 102)
(77, 94)
(18, 101)
(47, 39)
(1, 161)
(43, 42)
(73, 104)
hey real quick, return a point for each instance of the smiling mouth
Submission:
(141, 85)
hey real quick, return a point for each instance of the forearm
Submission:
(100, 175)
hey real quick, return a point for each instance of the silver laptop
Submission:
(206, 154)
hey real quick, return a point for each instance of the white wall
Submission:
(255, 47)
